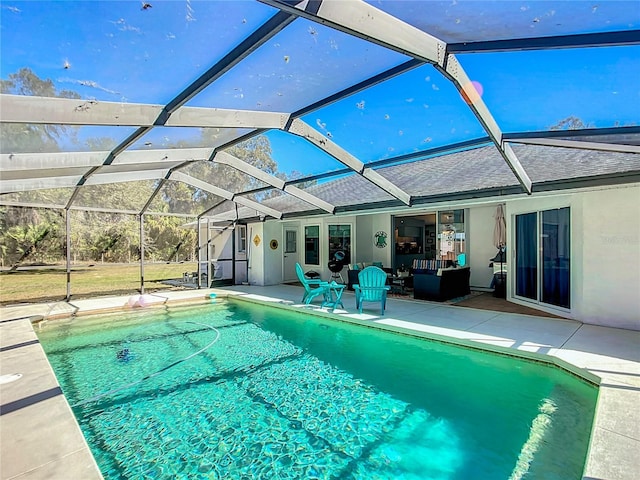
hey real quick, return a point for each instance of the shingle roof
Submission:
(468, 171)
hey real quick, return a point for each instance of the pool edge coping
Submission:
(593, 462)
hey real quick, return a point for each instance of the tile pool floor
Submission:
(39, 437)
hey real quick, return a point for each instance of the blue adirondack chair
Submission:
(312, 288)
(372, 287)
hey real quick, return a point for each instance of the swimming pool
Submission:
(280, 394)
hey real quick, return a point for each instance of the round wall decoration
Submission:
(273, 244)
(380, 239)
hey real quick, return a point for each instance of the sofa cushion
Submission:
(446, 269)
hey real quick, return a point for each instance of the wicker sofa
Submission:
(439, 280)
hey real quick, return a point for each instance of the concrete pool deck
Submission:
(40, 438)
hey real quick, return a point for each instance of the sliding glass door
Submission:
(543, 254)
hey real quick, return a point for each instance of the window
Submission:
(312, 245)
(291, 241)
(242, 238)
(451, 235)
(543, 256)
(340, 241)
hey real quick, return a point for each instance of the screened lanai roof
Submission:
(243, 109)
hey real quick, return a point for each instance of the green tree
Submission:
(168, 239)
(115, 237)
(25, 138)
(570, 123)
(103, 236)
(30, 236)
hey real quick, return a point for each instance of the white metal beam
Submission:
(42, 173)
(558, 142)
(138, 167)
(168, 154)
(303, 130)
(84, 208)
(182, 177)
(25, 185)
(358, 18)
(458, 76)
(207, 187)
(69, 111)
(27, 204)
(224, 118)
(389, 187)
(257, 206)
(309, 198)
(234, 162)
(58, 160)
(121, 177)
(366, 21)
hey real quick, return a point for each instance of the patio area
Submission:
(47, 442)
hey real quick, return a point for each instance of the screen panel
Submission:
(178, 197)
(482, 20)
(559, 89)
(301, 64)
(47, 138)
(122, 50)
(416, 110)
(121, 196)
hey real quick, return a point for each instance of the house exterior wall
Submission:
(605, 253)
(366, 249)
(324, 223)
(608, 285)
(479, 224)
(605, 249)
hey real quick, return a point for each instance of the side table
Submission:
(398, 285)
(333, 295)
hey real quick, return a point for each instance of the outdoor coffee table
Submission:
(333, 295)
(398, 285)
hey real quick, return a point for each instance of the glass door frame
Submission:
(539, 259)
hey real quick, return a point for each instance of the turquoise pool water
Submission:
(278, 394)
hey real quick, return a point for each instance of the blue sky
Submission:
(118, 51)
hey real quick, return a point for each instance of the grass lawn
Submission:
(49, 283)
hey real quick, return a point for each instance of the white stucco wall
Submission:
(363, 247)
(609, 291)
(605, 252)
(366, 249)
(479, 227)
(266, 265)
(256, 254)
